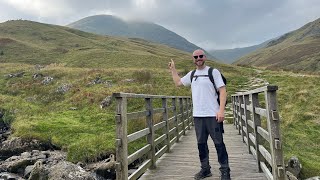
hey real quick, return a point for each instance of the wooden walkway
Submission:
(183, 160)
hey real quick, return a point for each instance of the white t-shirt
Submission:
(204, 96)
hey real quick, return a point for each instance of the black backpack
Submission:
(211, 79)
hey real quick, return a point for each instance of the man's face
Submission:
(199, 57)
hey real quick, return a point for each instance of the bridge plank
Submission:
(183, 160)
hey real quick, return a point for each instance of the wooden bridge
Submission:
(167, 143)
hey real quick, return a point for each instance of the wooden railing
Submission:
(248, 112)
(173, 128)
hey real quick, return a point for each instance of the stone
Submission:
(47, 80)
(314, 178)
(9, 176)
(38, 172)
(70, 171)
(106, 102)
(294, 166)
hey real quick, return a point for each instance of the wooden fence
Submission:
(248, 113)
(175, 120)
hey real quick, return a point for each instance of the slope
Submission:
(298, 50)
(114, 26)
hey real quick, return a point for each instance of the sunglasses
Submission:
(200, 56)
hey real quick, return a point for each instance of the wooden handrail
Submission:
(181, 118)
(247, 113)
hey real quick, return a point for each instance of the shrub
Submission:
(6, 117)
(142, 76)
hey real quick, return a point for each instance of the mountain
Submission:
(297, 50)
(38, 43)
(114, 26)
(231, 55)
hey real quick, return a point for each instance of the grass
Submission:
(38, 111)
(298, 98)
(295, 51)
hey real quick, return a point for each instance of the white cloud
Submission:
(207, 23)
(41, 8)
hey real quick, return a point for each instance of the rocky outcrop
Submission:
(43, 165)
(16, 145)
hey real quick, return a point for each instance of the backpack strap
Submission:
(192, 74)
(211, 78)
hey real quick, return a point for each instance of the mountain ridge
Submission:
(297, 50)
(115, 26)
(40, 43)
(231, 55)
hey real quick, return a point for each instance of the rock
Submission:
(38, 172)
(9, 176)
(27, 171)
(128, 80)
(47, 80)
(68, 171)
(314, 178)
(18, 166)
(38, 67)
(97, 80)
(107, 168)
(16, 146)
(108, 84)
(19, 74)
(294, 166)
(37, 75)
(63, 88)
(106, 102)
(290, 176)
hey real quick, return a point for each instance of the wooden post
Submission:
(182, 116)
(247, 117)
(233, 109)
(273, 119)
(175, 118)
(121, 139)
(165, 118)
(238, 115)
(256, 122)
(150, 136)
(241, 122)
(191, 112)
(187, 113)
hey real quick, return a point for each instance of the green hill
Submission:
(231, 55)
(114, 26)
(37, 43)
(297, 50)
(73, 120)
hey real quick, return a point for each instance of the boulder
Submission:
(69, 171)
(294, 166)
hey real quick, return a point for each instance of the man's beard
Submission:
(196, 63)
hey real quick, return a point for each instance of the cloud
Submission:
(40, 8)
(209, 24)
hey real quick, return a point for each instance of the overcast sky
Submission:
(210, 24)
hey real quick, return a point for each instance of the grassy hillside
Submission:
(231, 55)
(297, 50)
(37, 43)
(114, 26)
(73, 120)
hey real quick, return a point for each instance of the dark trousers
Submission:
(205, 126)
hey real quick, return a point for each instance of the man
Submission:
(206, 112)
